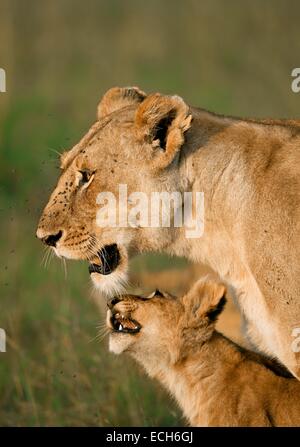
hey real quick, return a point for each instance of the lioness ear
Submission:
(116, 98)
(206, 299)
(162, 121)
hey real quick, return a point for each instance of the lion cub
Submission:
(215, 381)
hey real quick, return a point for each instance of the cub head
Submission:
(162, 329)
(133, 146)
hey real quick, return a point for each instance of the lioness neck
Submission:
(212, 163)
(227, 159)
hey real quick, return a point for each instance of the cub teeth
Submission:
(120, 327)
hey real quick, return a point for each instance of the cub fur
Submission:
(215, 381)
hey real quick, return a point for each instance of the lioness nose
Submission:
(51, 239)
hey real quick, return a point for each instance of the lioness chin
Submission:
(249, 172)
(215, 381)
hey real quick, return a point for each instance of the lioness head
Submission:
(162, 327)
(135, 142)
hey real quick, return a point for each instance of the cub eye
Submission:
(86, 176)
(158, 293)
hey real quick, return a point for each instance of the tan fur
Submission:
(249, 172)
(215, 381)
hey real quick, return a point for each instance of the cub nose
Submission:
(51, 239)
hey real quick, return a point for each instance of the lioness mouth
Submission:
(120, 323)
(108, 258)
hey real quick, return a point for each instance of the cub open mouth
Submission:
(120, 323)
(109, 259)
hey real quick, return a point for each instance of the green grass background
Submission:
(228, 56)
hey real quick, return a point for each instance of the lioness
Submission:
(215, 381)
(249, 172)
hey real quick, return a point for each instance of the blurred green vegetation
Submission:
(230, 57)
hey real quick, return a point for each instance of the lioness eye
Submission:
(85, 177)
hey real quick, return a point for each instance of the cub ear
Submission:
(206, 299)
(116, 98)
(162, 121)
